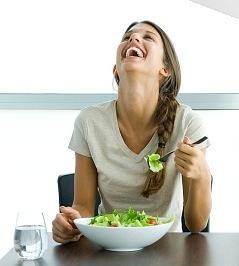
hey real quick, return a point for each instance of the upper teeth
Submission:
(137, 50)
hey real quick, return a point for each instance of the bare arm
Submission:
(85, 185)
(192, 164)
(63, 227)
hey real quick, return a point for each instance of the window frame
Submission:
(77, 101)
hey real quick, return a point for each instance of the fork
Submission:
(166, 156)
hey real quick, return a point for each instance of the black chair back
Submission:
(66, 191)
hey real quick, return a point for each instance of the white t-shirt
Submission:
(121, 172)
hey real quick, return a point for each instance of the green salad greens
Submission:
(154, 163)
(129, 218)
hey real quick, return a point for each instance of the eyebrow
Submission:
(147, 31)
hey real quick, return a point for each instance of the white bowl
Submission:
(122, 238)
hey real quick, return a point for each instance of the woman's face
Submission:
(141, 51)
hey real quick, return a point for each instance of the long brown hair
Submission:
(167, 106)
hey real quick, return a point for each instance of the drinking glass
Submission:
(30, 238)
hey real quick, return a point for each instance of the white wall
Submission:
(34, 152)
(223, 159)
(69, 46)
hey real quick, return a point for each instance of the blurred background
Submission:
(69, 47)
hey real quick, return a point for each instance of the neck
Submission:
(136, 105)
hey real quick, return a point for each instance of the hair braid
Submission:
(165, 118)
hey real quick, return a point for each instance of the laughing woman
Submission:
(111, 139)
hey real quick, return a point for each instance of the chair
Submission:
(66, 196)
(66, 191)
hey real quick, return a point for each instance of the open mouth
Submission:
(134, 52)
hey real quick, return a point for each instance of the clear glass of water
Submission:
(30, 237)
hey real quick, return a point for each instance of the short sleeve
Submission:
(196, 129)
(78, 142)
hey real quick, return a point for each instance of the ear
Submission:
(164, 72)
(116, 76)
(114, 70)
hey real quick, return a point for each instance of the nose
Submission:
(135, 37)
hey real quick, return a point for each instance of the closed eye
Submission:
(125, 38)
(148, 37)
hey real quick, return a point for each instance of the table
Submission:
(209, 249)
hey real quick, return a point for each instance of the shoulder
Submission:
(191, 124)
(95, 112)
(184, 109)
(186, 115)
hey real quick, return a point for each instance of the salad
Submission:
(129, 218)
(154, 163)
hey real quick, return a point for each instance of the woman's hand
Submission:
(63, 227)
(190, 161)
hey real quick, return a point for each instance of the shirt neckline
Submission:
(137, 157)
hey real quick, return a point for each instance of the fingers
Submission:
(182, 156)
(190, 160)
(63, 240)
(63, 228)
(70, 212)
(62, 225)
(64, 237)
(64, 233)
(62, 222)
(186, 146)
(186, 140)
(180, 161)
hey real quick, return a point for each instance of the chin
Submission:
(133, 66)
